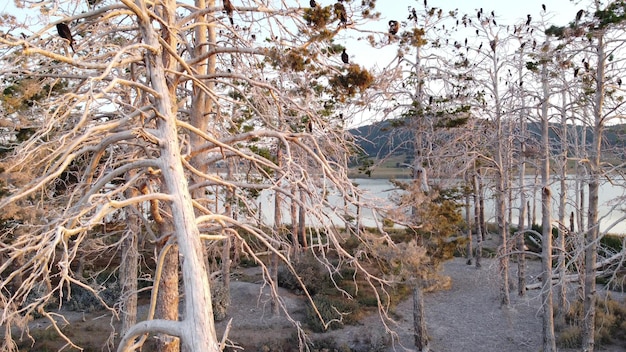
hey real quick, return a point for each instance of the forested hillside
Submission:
(385, 138)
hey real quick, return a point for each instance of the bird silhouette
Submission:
(543, 6)
(344, 57)
(229, 8)
(394, 26)
(579, 15)
(528, 20)
(576, 71)
(312, 3)
(340, 12)
(65, 33)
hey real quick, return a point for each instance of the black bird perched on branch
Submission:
(576, 71)
(394, 26)
(229, 8)
(543, 6)
(340, 12)
(579, 15)
(528, 20)
(344, 57)
(619, 82)
(312, 3)
(65, 33)
(412, 15)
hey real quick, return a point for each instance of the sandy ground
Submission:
(468, 317)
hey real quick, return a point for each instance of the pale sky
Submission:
(559, 12)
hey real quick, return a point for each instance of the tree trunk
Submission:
(278, 219)
(419, 320)
(128, 273)
(561, 265)
(549, 341)
(468, 220)
(479, 230)
(167, 299)
(197, 330)
(295, 236)
(521, 257)
(521, 243)
(481, 207)
(129, 265)
(593, 233)
(503, 232)
(533, 213)
(302, 220)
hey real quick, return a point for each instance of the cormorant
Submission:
(340, 12)
(528, 20)
(65, 33)
(229, 8)
(344, 57)
(312, 3)
(543, 6)
(394, 26)
(579, 15)
(619, 82)
(576, 71)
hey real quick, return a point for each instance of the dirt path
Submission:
(469, 317)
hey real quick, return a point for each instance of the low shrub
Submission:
(569, 337)
(335, 311)
(312, 273)
(609, 322)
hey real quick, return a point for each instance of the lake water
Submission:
(377, 193)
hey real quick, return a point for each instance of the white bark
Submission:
(592, 234)
(197, 329)
(549, 340)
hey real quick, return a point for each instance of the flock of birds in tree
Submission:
(340, 12)
(394, 26)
